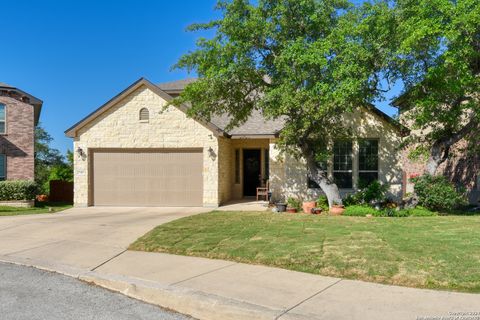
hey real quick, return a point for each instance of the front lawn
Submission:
(426, 252)
(38, 209)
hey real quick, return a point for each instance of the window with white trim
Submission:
(3, 167)
(342, 164)
(3, 119)
(367, 162)
(237, 166)
(144, 115)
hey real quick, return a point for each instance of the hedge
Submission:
(17, 190)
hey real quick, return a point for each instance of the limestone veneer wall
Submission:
(289, 176)
(119, 127)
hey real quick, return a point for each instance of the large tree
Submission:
(438, 59)
(306, 62)
(49, 162)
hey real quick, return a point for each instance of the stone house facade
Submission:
(133, 151)
(19, 114)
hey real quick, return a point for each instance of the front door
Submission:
(251, 172)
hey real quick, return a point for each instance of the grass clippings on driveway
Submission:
(38, 209)
(424, 252)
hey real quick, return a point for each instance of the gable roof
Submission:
(72, 131)
(256, 126)
(26, 98)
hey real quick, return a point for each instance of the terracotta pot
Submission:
(291, 210)
(42, 198)
(336, 210)
(308, 206)
(316, 210)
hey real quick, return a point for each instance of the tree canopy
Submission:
(308, 62)
(302, 61)
(438, 59)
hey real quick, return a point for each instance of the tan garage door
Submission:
(146, 178)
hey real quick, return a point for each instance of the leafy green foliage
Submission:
(374, 192)
(17, 190)
(49, 162)
(294, 203)
(322, 202)
(360, 211)
(305, 62)
(437, 193)
(364, 210)
(438, 60)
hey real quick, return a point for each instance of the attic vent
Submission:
(144, 115)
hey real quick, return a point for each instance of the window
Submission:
(342, 164)
(3, 167)
(144, 115)
(3, 126)
(237, 166)
(367, 162)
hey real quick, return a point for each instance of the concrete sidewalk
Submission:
(91, 245)
(217, 289)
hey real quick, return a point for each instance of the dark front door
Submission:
(251, 172)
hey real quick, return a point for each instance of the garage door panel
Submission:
(161, 178)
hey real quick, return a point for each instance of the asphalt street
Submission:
(28, 293)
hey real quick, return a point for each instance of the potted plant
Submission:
(293, 205)
(337, 209)
(308, 206)
(316, 210)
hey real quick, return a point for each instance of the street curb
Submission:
(195, 303)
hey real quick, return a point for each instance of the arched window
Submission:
(144, 115)
(3, 119)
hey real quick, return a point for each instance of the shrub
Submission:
(360, 211)
(421, 212)
(437, 193)
(17, 190)
(322, 202)
(294, 203)
(374, 192)
(363, 210)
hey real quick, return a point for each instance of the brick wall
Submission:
(18, 142)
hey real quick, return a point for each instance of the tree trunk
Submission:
(320, 177)
(438, 155)
(441, 147)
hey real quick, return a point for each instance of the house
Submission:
(19, 114)
(462, 167)
(134, 152)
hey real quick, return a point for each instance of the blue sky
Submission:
(76, 55)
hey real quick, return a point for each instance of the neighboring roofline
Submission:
(34, 101)
(73, 130)
(253, 136)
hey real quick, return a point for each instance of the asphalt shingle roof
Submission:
(255, 125)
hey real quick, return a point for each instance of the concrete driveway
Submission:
(79, 239)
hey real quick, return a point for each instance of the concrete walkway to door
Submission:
(90, 244)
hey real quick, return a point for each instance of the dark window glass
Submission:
(367, 162)
(237, 166)
(3, 167)
(342, 164)
(2, 119)
(267, 164)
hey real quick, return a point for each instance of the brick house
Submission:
(462, 166)
(19, 114)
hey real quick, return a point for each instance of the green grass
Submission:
(38, 209)
(427, 252)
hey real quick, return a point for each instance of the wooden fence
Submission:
(61, 191)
